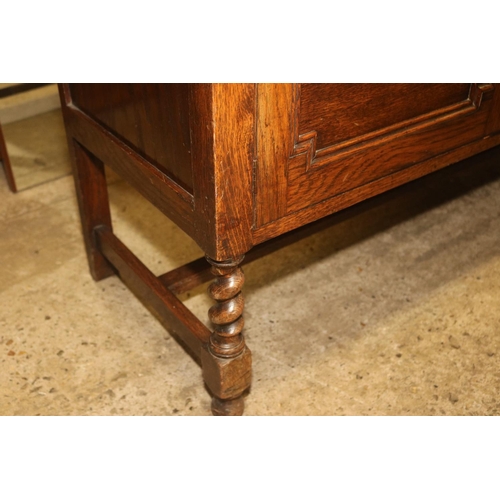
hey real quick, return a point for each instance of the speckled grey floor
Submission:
(37, 149)
(394, 312)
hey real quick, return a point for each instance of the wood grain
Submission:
(317, 178)
(338, 112)
(226, 361)
(381, 157)
(357, 195)
(153, 184)
(226, 315)
(92, 195)
(152, 119)
(234, 123)
(222, 127)
(276, 108)
(269, 163)
(493, 125)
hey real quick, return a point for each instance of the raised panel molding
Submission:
(296, 168)
(305, 154)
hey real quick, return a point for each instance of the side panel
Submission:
(114, 151)
(152, 119)
(187, 148)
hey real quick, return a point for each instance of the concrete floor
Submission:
(394, 312)
(37, 149)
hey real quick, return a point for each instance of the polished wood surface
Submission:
(246, 168)
(223, 149)
(227, 360)
(313, 166)
(153, 119)
(152, 183)
(341, 112)
(221, 121)
(92, 195)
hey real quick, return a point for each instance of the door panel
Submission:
(316, 141)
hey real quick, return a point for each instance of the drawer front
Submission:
(316, 141)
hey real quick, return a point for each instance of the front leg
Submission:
(226, 361)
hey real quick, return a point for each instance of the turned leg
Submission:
(226, 360)
(92, 195)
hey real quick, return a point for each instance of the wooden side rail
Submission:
(154, 185)
(176, 317)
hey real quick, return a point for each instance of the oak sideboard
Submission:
(246, 168)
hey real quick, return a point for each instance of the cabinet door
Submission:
(318, 141)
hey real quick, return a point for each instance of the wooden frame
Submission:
(246, 159)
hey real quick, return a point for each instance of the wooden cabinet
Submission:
(242, 168)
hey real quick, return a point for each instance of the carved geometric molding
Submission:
(477, 92)
(306, 156)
